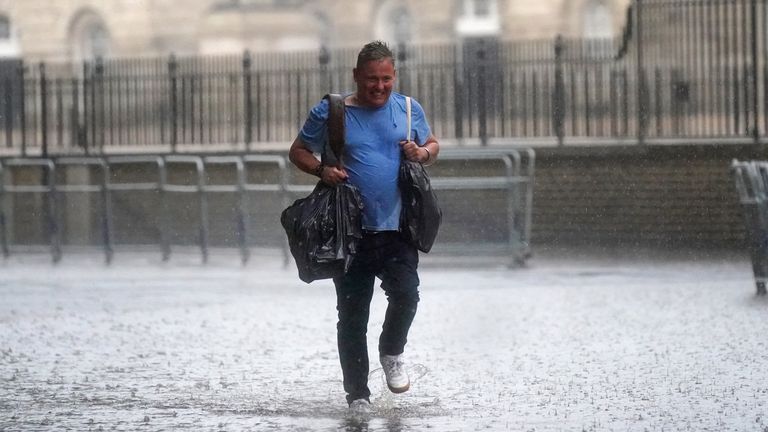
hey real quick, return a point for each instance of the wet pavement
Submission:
(629, 344)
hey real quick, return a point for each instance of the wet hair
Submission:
(374, 51)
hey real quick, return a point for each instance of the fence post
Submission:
(51, 210)
(85, 123)
(43, 111)
(3, 232)
(172, 74)
(482, 108)
(324, 58)
(106, 212)
(99, 105)
(558, 98)
(754, 78)
(642, 87)
(248, 100)
(76, 128)
(23, 108)
(8, 101)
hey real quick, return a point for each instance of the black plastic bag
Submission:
(421, 215)
(323, 230)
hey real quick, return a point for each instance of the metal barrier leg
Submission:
(106, 216)
(751, 180)
(238, 188)
(3, 228)
(242, 228)
(165, 223)
(280, 187)
(204, 227)
(758, 239)
(203, 201)
(52, 212)
(245, 253)
(517, 254)
(62, 165)
(286, 200)
(528, 211)
(199, 188)
(3, 236)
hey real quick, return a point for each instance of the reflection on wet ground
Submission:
(589, 345)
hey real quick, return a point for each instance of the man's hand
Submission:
(332, 175)
(413, 152)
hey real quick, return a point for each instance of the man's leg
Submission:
(400, 282)
(353, 300)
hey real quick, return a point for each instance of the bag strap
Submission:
(408, 114)
(335, 148)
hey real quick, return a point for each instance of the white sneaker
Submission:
(360, 408)
(394, 370)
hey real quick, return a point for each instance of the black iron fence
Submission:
(683, 69)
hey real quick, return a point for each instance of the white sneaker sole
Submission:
(399, 389)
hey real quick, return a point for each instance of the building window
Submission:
(400, 21)
(597, 20)
(325, 29)
(482, 8)
(598, 29)
(95, 41)
(5, 28)
(479, 18)
(393, 23)
(9, 41)
(89, 37)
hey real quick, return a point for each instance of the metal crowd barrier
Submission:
(516, 182)
(198, 188)
(751, 179)
(113, 185)
(100, 188)
(47, 186)
(280, 187)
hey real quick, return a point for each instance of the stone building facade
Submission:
(83, 29)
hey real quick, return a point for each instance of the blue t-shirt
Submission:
(372, 152)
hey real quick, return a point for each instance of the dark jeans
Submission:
(388, 256)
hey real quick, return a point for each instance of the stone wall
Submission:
(45, 29)
(682, 196)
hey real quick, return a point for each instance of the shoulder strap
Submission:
(408, 114)
(335, 130)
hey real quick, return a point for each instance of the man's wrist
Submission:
(318, 170)
(429, 155)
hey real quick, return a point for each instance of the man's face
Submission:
(374, 82)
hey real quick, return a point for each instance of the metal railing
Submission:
(198, 179)
(686, 70)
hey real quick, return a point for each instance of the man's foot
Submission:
(360, 409)
(394, 370)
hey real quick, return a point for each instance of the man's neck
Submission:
(353, 101)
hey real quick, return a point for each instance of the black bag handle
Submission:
(332, 155)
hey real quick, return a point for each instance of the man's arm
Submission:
(426, 154)
(305, 160)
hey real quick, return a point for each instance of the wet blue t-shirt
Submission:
(372, 152)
